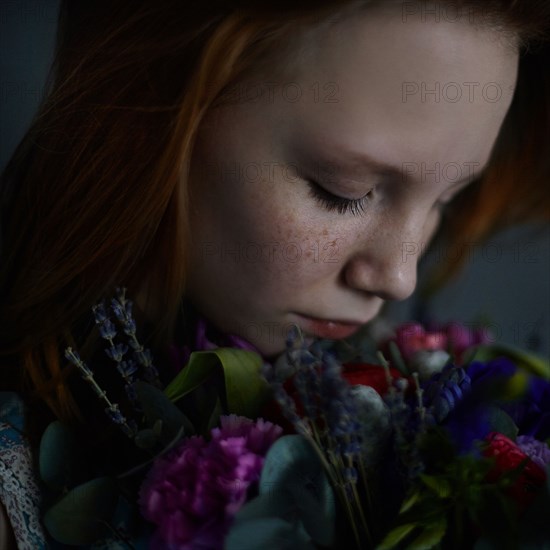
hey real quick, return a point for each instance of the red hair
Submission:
(95, 196)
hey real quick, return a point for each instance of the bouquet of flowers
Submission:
(419, 439)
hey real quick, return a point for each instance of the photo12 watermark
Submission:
(452, 92)
(27, 11)
(430, 11)
(287, 92)
(265, 172)
(21, 91)
(252, 252)
(519, 252)
(437, 172)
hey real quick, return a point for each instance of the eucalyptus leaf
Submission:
(267, 533)
(276, 504)
(245, 389)
(293, 466)
(80, 516)
(484, 544)
(502, 422)
(146, 439)
(58, 457)
(156, 406)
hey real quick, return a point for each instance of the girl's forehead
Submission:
(399, 91)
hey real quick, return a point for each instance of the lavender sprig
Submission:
(329, 421)
(116, 352)
(409, 423)
(122, 308)
(112, 409)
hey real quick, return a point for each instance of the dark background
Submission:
(506, 281)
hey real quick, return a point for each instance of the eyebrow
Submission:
(363, 161)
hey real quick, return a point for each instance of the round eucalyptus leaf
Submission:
(58, 457)
(146, 439)
(293, 466)
(156, 406)
(279, 504)
(267, 533)
(80, 516)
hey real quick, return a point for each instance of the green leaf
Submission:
(267, 533)
(245, 389)
(215, 416)
(156, 406)
(440, 486)
(80, 516)
(410, 502)
(397, 359)
(430, 536)
(395, 536)
(58, 457)
(292, 466)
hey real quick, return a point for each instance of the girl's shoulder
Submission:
(20, 493)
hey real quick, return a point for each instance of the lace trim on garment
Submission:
(19, 491)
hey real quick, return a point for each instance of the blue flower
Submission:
(487, 373)
(445, 391)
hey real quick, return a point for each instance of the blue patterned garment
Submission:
(19, 489)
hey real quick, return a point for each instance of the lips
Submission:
(329, 329)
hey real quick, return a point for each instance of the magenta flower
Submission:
(462, 337)
(193, 492)
(412, 338)
(537, 451)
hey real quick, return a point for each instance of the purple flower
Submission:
(493, 371)
(536, 450)
(193, 492)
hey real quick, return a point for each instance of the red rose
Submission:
(509, 456)
(365, 374)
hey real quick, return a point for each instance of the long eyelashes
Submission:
(342, 205)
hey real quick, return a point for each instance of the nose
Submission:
(386, 264)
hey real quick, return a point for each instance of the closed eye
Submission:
(331, 202)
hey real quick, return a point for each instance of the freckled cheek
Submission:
(293, 254)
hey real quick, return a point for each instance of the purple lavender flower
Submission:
(445, 391)
(193, 492)
(536, 450)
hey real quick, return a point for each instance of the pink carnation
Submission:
(193, 492)
(455, 337)
(412, 337)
